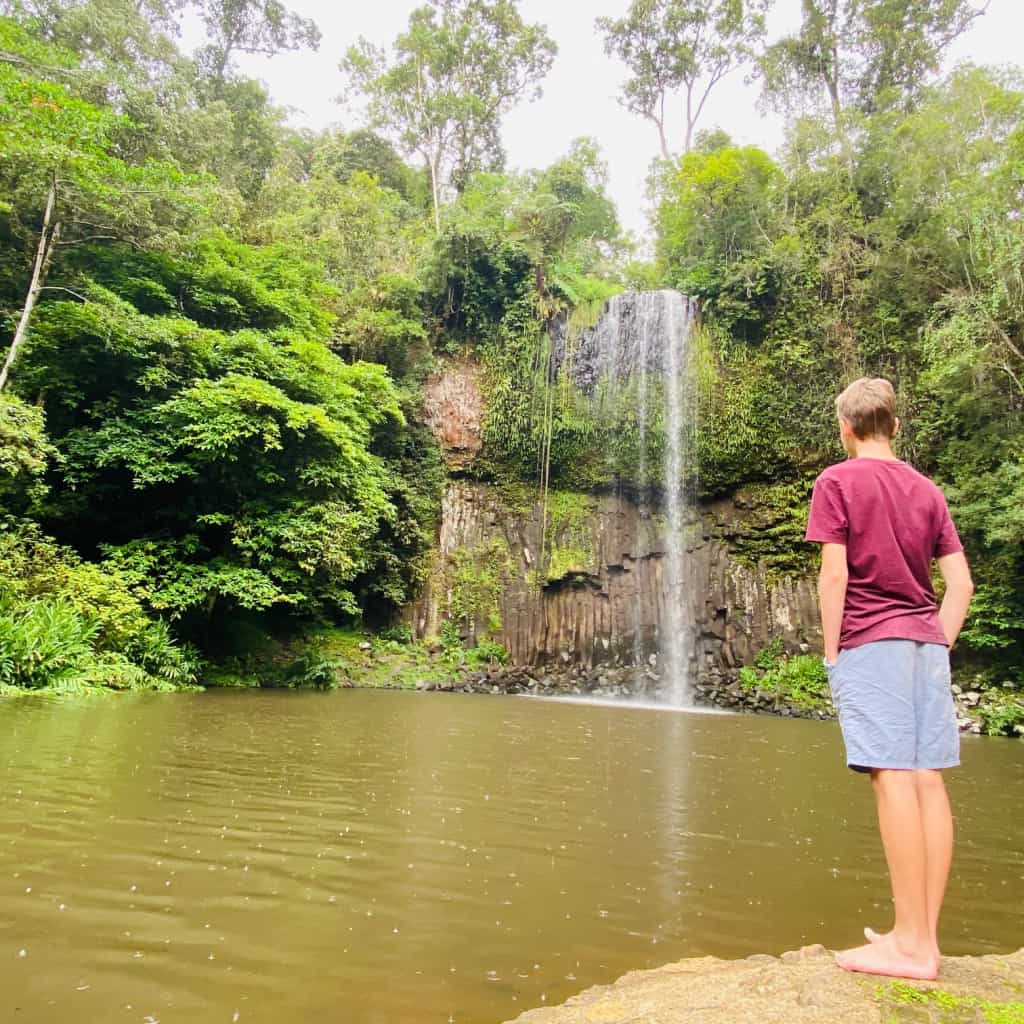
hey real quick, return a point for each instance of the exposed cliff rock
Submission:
(801, 987)
(453, 408)
(581, 581)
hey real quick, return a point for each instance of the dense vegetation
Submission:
(217, 327)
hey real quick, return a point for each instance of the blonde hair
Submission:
(869, 406)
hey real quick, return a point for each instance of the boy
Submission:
(880, 524)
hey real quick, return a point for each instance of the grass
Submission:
(902, 1002)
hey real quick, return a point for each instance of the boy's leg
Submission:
(908, 950)
(937, 825)
(937, 821)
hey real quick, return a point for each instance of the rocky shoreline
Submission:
(628, 683)
(800, 987)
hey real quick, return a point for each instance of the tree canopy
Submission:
(454, 72)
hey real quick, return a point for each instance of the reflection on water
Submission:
(637, 703)
(392, 857)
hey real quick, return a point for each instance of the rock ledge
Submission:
(800, 987)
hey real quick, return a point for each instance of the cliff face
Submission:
(589, 587)
(590, 580)
(453, 408)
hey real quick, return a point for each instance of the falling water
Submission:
(646, 336)
(641, 474)
(677, 641)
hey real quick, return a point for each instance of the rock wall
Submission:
(453, 408)
(596, 597)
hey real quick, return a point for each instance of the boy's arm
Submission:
(831, 594)
(959, 588)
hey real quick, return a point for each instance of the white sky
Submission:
(579, 93)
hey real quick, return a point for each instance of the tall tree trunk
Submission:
(47, 240)
(688, 139)
(660, 122)
(832, 84)
(435, 194)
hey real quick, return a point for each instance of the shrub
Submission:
(43, 642)
(64, 620)
(451, 637)
(399, 634)
(800, 680)
(487, 652)
(1002, 714)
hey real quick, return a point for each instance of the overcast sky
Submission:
(579, 93)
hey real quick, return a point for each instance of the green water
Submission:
(397, 857)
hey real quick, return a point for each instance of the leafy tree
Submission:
(225, 467)
(344, 154)
(721, 230)
(249, 26)
(566, 220)
(65, 183)
(354, 228)
(456, 70)
(687, 46)
(129, 35)
(868, 55)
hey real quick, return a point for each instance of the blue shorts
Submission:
(895, 705)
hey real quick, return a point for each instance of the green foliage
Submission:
(773, 535)
(568, 540)
(716, 232)
(43, 643)
(455, 71)
(50, 135)
(474, 578)
(899, 999)
(688, 46)
(451, 638)
(399, 634)
(345, 154)
(487, 653)
(68, 622)
(799, 680)
(1001, 712)
(768, 657)
(24, 451)
(264, 436)
(313, 669)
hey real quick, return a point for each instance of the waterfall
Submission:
(641, 476)
(677, 643)
(641, 348)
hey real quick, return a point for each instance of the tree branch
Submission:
(60, 288)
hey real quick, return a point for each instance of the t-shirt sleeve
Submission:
(827, 522)
(947, 540)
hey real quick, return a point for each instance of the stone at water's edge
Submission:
(801, 987)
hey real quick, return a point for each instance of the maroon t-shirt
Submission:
(893, 521)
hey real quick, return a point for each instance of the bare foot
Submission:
(884, 957)
(874, 937)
